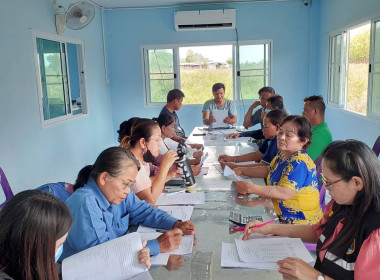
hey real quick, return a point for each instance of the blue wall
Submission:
(287, 23)
(32, 155)
(29, 154)
(337, 15)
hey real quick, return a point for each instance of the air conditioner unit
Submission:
(205, 20)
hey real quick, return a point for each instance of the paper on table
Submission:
(203, 172)
(115, 259)
(239, 139)
(203, 158)
(272, 249)
(143, 276)
(181, 198)
(181, 212)
(219, 116)
(228, 172)
(218, 167)
(230, 258)
(186, 246)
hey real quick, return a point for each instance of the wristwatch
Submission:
(321, 277)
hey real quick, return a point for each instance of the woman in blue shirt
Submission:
(266, 152)
(292, 181)
(103, 206)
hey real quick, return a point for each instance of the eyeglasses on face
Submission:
(327, 183)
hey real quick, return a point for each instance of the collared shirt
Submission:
(320, 138)
(298, 174)
(269, 150)
(95, 220)
(178, 129)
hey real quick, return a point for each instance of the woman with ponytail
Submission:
(144, 142)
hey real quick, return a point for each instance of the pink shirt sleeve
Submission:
(367, 264)
(142, 179)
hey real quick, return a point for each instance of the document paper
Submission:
(219, 116)
(181, 199)
(230, 258)
(115, 259)
(272, 249)
(186, 247)
(229, 173)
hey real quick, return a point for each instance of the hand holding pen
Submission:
(257, 227)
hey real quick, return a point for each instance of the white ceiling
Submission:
(146, 4)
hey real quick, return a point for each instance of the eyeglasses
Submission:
(130, 184)
(326, 183)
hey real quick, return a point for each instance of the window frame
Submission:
(81, 71)
(176, 66)
(343, 73)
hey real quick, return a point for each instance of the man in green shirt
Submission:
(314, 110)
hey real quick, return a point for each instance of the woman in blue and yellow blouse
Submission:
(292, 180)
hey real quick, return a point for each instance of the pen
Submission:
(235, 228)
(171, 193)
(163, 231)
(263, 224)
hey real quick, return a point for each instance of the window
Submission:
(60, 77)
(354, 69)
(244, 69)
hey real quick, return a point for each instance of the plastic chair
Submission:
(60, 190)
(6, 188)
(376, 147)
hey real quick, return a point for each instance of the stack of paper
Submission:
(263, 253)
(115, 259)
(186, 247)
(181, 198)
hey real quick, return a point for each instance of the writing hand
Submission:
(170, 240)
(251, 228)
(187, 227)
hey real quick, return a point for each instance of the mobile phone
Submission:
(239, 219)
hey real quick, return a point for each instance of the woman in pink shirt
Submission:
(144, 142)
(348, 236)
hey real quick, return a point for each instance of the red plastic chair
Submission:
(376, 147)
(6, 188)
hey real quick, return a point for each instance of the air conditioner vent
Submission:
(204, 20)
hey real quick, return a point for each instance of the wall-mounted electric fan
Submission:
(77, 16)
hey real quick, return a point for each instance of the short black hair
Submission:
(267, 89)
(218, 86)
(316, 102)
(174, 94)
(277, 101)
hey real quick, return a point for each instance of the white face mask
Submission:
(59, 253)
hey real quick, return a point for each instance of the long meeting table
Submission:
(212, 218)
